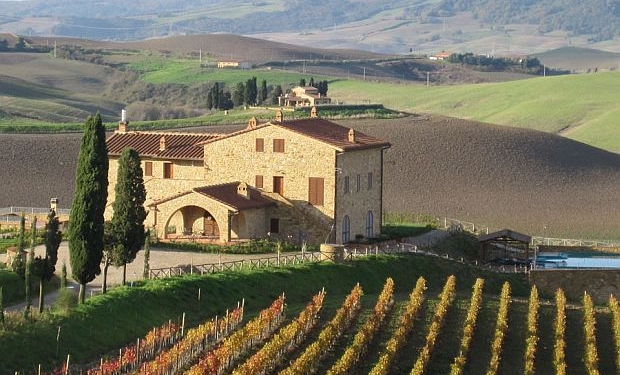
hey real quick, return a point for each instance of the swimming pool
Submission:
(577, 260)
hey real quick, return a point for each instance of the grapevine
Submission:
(217, 360)
(589, 329)
(194, 342)
(532, 332)
(445, 300)
(500, 329)
(416, 299)
(615, 321)
(364, 336)
(307, 362)
(559, 349)
(282, 342)
(468, 329)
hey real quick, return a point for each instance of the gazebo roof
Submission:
(505, 235)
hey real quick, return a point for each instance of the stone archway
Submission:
(192, 221)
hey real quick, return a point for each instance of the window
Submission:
(260, 145)
(148, 168)
(278, 185)
(315, 190)
(369, 180)
(370, 225)
(346, 229)
(168, 170)
(274, 226)
(346, 185)
(278, 145)
(358, 185)
(259, 182)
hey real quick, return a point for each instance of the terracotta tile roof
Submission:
(227, 194)
(147, 144)
(322, 130)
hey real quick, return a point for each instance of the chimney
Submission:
(313, 113)
(279, 116)
(242, 189)
(162, 143)
(351, 135)
(122, 125)
(252, 123)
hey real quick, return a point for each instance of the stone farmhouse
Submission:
(297, 180)
(304, 96)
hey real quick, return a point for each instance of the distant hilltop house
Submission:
(440, 56)
(304, 96)
(301, 180)
(234, 64)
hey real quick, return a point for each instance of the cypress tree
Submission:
(262, 94)
(63, 275)
(30, 264)
(85, 233)
(147, 255)
(47, 266)
(17, 265)
(127, 224)
(1, 305)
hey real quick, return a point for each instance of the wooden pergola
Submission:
(507, 239)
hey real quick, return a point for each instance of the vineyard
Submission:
(455, 332)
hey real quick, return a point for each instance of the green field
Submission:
(581, 107)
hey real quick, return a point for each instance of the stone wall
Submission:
(236, 159)
(598, 283)
(361, 197)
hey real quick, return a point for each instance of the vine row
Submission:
(364, 336)
(559, 347)
(532, 332)
(445, 300)
(590, 355)
(469, 327)
(307, 362)
(286, 339)
(501, 327)
(396, 342)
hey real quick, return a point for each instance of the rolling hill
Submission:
(494, 176)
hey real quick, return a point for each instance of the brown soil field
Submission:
(494, 176)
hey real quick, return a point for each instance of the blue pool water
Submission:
(576, 260)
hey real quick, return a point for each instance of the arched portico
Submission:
(192, 221)
(218, 212)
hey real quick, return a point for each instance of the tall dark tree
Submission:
(1, 305)
(210, 100)
(147, 255)
(322, 87)
(262, 93)
(275, 95)
(18, 265)
(45, 267)
(251, 91)
(30, 266)
(127, 224)
(302, 82)
(86, 229)
(311, 83)
(239, 95)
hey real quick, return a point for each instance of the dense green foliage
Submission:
(127, 224)
(85, 234)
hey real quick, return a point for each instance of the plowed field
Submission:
(495, 176)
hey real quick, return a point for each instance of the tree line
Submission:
(248, 93)
(527, 64)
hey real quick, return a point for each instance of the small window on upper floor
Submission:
(258, 182)
(148, 168)
(278, 145)
(168, 170)
(358, 185)
(369, 180)
(260, 145)
(347, 188)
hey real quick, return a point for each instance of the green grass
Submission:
(582, 106)
(125, 313)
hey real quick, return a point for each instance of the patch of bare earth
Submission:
(494, 176)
